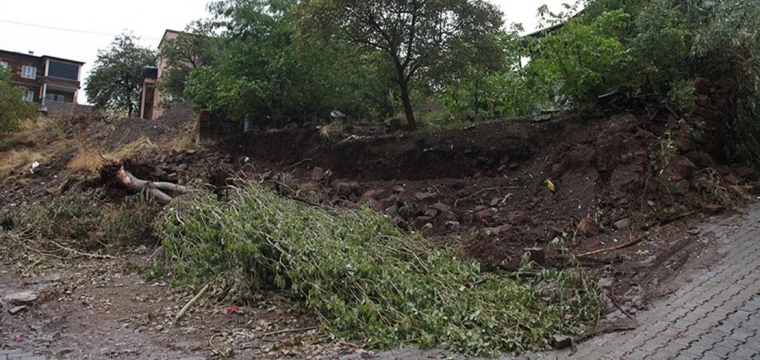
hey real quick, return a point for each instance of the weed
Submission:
(710, 184)
(366, 279)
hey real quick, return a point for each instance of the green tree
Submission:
(13, 109)
(269, 68)
(116, 81)
(416, 35)
(192, 48)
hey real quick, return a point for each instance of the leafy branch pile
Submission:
(77, 221)
(365, 279)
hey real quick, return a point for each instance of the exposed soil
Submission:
(588, 182)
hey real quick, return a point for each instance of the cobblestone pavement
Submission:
(715, 316)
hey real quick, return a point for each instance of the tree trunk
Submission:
(158, 189)
(408, 110)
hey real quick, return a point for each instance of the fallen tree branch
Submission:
(614, 248)
(190, 303)
(158, 189)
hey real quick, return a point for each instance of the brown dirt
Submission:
(481, 190)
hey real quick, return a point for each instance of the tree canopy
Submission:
(415, 35)
(13, 108)
(116, 80)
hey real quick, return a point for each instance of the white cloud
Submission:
(146, 18)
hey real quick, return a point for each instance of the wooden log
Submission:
(157, 189)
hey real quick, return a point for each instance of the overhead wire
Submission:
(67, 29)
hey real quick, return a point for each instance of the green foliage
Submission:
(78, 220)
(416, 37)
(13, 109)
(195, 47)
(269, 69)
(115, 83)
(365, 279)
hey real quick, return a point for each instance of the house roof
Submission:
(62, 59)
(40, 57)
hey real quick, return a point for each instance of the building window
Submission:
(29, 96)
(28, 72)
(63, 70)
(55, 98)
(3, 64)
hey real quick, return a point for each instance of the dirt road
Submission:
(713, 314)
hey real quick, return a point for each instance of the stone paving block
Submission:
(743, 353)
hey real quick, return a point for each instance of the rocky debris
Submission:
(398, 189)
(21, 298)
(713, 208)
(424, 196)
(318, 174)
(376, 194)
(342, 188)
(681, 168)
(623, 224)
(409, 211)
(18, 309)
(589, 227)
(561, 342)
(499, 230)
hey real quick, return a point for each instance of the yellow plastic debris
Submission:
(550, 185)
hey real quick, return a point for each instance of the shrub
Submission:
(78, 220)
(13, 108)
(364, 278)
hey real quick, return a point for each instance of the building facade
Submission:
(151, 97)
(47, 79)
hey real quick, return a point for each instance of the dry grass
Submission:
(90, 160)
(17, 160)
(331, 131)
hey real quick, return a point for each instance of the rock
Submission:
(431, 212)
(409, 211)
(190, 151)
(17, 309)
(624, 224)
(444, 211)
(589, 227)
(517, 218)
(681, 168)
(341, 187)
(392, 210)
(374, 204)
(537, 255)
(421, 222)
(355, 187)
(22, 298)
(441, 207)
(561, 342)
(398, 221)
(375, 194)
(423, 196)
(713, 208)
(483, 214)
(181, 167)
(494, 202)
(398, 189)
(498, 230)
(606, 282)
(747, 172)
(731, 179)
(318, 174)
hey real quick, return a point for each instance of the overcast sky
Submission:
(102, 20)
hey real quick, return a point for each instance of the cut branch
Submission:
(159, 190)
